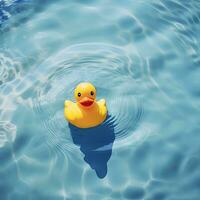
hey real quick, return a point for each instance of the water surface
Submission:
(143, 57)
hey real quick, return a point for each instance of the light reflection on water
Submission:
(143, 58)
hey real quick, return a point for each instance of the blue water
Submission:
(143, 56)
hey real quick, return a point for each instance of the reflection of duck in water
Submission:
(86, 112)
(96, 144)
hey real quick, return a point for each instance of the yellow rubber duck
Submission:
(86, 112)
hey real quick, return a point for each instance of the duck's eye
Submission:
(92, 93)
(79, 94)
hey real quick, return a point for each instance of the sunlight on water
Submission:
(143, 57)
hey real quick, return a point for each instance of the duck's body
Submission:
(86, 112)
(83, 118)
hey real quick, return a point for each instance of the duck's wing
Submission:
(68, 103)
(69, 110)
(102, 107)
(102, 102)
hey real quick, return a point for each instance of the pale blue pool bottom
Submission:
(143, 58)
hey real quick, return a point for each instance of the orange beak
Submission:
(86, 101)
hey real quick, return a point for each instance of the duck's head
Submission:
(85, 95)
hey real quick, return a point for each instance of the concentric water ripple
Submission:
(108, 68)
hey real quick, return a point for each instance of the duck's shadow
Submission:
(96, 144)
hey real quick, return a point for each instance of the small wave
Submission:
(7, 133)
(128, 114)
(10, 68)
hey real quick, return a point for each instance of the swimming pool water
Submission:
(143, 56)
